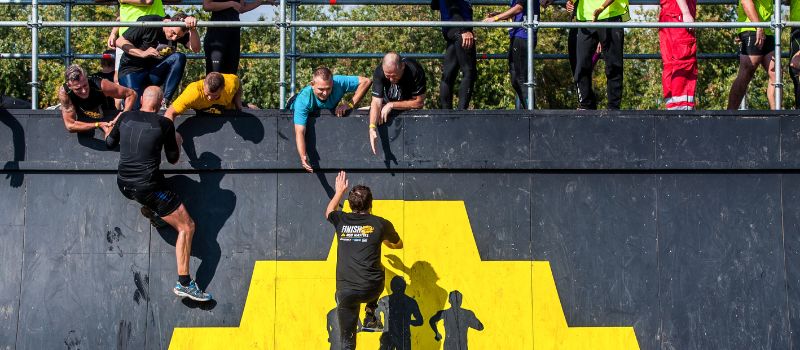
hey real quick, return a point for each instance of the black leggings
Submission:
(455, 58)
(347, 304)
(586, 41)
(222, 48)
(518, 66)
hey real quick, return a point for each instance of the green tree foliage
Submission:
(260, 77)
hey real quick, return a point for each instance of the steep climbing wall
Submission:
(552, 230)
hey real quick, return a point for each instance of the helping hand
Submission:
(341, 182)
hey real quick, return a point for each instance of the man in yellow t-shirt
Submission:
(215, 93)
(758, 46)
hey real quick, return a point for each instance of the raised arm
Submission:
(341, 188)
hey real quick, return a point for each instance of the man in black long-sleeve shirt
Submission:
(141, 135)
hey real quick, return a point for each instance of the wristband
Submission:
(96, 125)
(350, 104)
(496, 18)
(373, 126)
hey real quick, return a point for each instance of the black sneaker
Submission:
(155, 220)
(371, 322)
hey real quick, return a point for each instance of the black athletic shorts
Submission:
(749, 44)
(163, 202)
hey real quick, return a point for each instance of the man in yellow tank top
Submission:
(757, 49)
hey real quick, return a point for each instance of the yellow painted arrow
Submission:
(516, 301)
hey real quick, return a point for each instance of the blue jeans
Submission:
(167, 73)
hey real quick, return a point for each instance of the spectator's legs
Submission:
(572, 38)
(613, 40)
(169, 73)
(137, 81)
(213, 46)
(679, 76)
(222, 49)
(747, 67)
(518, 65)
(794, 48)
(469, 70)
(769, 65)
(449, 74)
(586, 41)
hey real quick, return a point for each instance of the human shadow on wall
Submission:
(210, 206)
(400, 312)
(423, 287)
(457, 321)
(387, 133)
(18, 142)
(246, 125)
(313, 156)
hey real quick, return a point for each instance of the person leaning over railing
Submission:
(518, 46)
(150, 57)
(82, 98)
(794, 47)
(459, 54)
(678, 54)
(325, 92)
(222, 45)
(612, 42)
(757, 49)
(130, 11)
(212, 94)
(397, 84)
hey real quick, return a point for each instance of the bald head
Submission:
(151, 98)
(392, 65)
(391, 60)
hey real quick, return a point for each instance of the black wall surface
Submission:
(683, 226)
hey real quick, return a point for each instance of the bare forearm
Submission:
(363, 87)
(334, 203)
(375, 110)
(407, 104)
(249, 6)
(750, 11)
(300, 140)
(684, 8)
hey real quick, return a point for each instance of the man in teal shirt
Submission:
(325, 92)
(758, 48)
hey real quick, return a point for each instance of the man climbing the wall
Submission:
(359, 273)
(141, 135)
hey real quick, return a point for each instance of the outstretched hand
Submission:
(395, 262)
(373, 140)
(341, 182)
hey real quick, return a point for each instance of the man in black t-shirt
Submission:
(397, 83)
(82, 98)
(141, 135)
(150, 57)
(359, 273)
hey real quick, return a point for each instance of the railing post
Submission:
(530, 22)
(777, 27)
(67, 33)
(282, 74)
(34, 24)
(293, 69)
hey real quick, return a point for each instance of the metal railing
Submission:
(530, 23)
